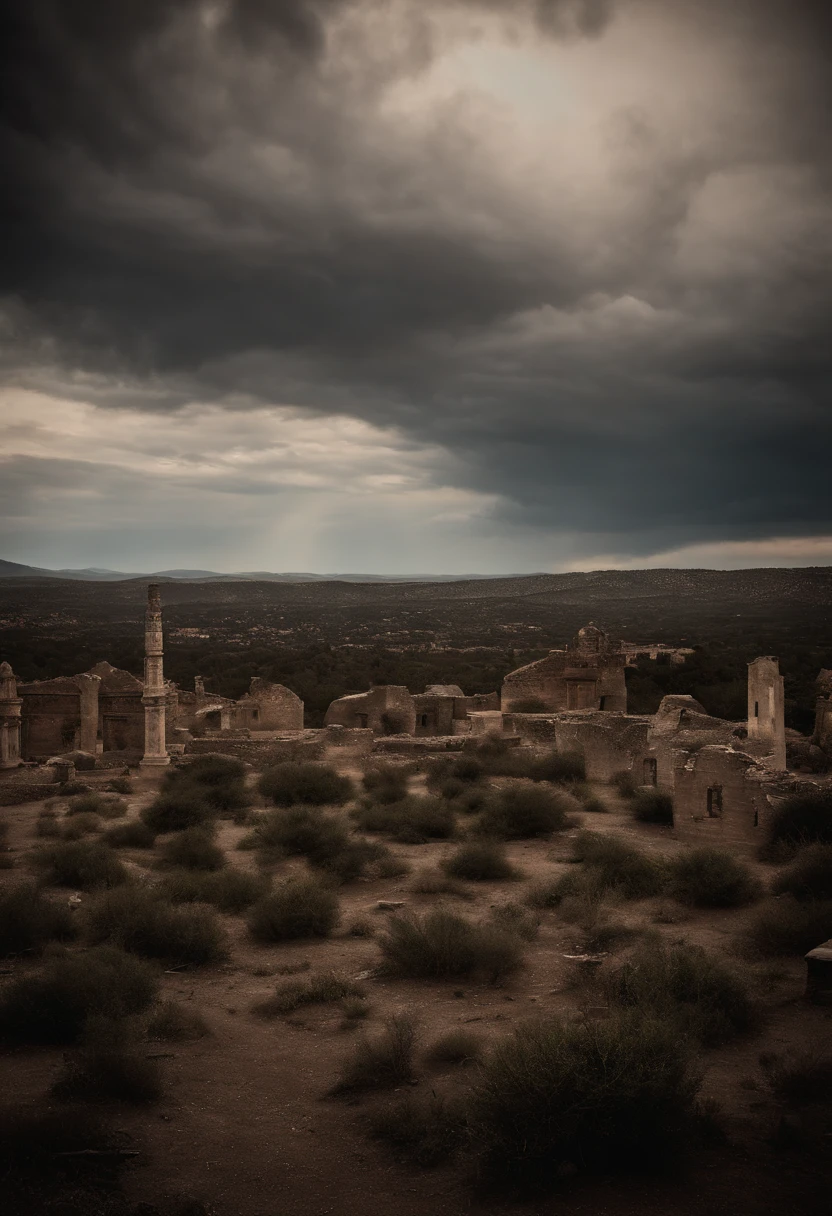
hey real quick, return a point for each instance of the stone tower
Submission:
(766, 724)
(153, 700)
(10, 705)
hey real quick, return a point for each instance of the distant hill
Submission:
(94, 574)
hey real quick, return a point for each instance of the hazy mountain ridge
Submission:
(98, 574)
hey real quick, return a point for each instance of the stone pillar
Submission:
(89, 687)
(766, 723)
(155, 693)
(10, 705)
(199, 689)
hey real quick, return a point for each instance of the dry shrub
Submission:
(296, 908)
(81, 865)
(302, 831)
(790, 926)
(512, 918)
(318, 990)
(221, 781)
(455, 1047)
(386, 783)
(684, 986)
(106, 806)
(176, 809)
(711, 878)
(599, 1097)
(414, 820)
(441, 945)
(170, 1022)
(80, 826)
(430, 880)
(653, 806)
(300, 782)
(802, 1080)
(193, 849)
(810, 875)
(28, 920)
(382, 1062)
(522, 813)
(229, 889)
(131, 835)
(110, 1065)
(47, 825)
(618, 866)
(561, 768)
(624, 783)
(801, 819)
(423, 1130)
(480, 861)
(143, 922)
(54, 1004)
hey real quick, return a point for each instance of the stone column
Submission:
(766, 721)
(89, 687)
(155, 693)
(10, 705)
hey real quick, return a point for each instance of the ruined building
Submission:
(10, 705)
(587, 675)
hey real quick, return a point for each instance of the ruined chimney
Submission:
(155, 752)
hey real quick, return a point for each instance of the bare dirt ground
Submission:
(246, 1124)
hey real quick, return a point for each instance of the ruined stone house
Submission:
(587, 675)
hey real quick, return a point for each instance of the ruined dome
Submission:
(590, 637)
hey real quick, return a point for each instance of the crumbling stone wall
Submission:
(261, 752)
(719, 797)
(385, 709)
(267, 706)
(587, 675)
(766, 724)
(608, 742)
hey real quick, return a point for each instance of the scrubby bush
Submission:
(481, 861)
(653, 806)
(522, 813)
(312, 784)
(302, 831)
(120, 785)
(229, 889)
(28, 920)
(53, 1005)
(710, 878)
(810, 876)
(624, 783)
(512, 918)
(600, 1097)
(131, 835)
(172, 1023)
(414, 820)
(81, 865)
(143, 922)
(684, 986)
(619, 866)
(561, 768)
(109, 1066)
(193, 849)
(801, 819)
(431, 880)
(790, 926)
(47, 825)
(386, 782)
(222, 782)
(802, 1080)
(423, 1130)
(441, 945)
(455, 1047)
(296, 908)
(80, 826)
(380, 1063)
(319, 990)
(176, 809)
(107, 807)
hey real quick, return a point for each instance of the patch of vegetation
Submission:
(802, 1080)
(120, 785)
(653, 806)
(28, 920)
(480, 861)
(302, 831)
(47, 825)
(110, 1066)
(684, 986)
(80, 826)
(810, 876)
(522, 813)
(297, 908)
(382, 1062)
(561, 768)
(414, 820)
(354, 1009)
(53, 1005)
(790, 926)
(454, 772)
(299, 782)
(455, 1047)
(598, 1097)
(624, 783)
(176, 809)
(81, 865)
(170, 1022)
(423, 1130)
(512, 918)
(193, 849)
(221, 781)
(617, 866)
(107, 807)
(143, 922)
(801, 819)
(229, 889)
(318, 990)
(711, 878)
(441, 945)
(386, 782)
(431, 880)
(131, 835)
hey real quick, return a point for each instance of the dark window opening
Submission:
(756, 709)
(255, 713)
(715, 802)
(603, 703)
(361, 720)
(649, 774)
(423, 720)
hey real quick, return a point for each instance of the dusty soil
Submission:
(246, 1124)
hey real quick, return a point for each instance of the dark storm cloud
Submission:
(644, 387)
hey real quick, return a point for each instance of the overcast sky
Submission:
(416, 285)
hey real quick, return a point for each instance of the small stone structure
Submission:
(822, 734)
(387, 709)
(766, 725)
(10, 704)
(587, 675)
(265, 706)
